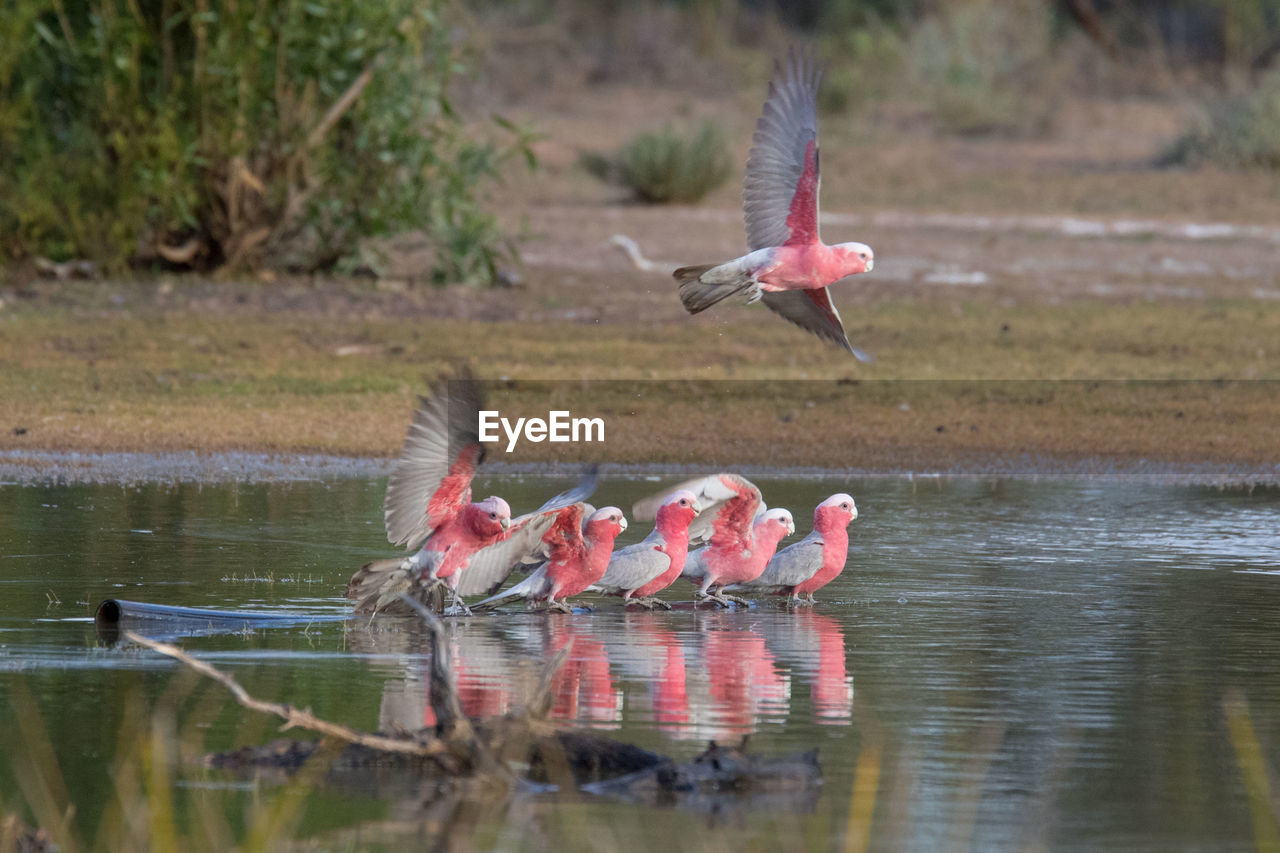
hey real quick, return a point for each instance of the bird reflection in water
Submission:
(694, 676)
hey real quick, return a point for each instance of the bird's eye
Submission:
(862, 255)
(493, 515)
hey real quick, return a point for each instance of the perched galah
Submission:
(814, 561)
(788, 266)
(639, 572)
(736, 558)
(731, 505)
(574, 555)
(428, 505)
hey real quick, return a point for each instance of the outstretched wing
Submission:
(793, 565)
(813, 311)
(780, 187)
(431, 481)
(730, 503)
(531, 539)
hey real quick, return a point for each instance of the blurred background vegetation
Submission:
(285, 135)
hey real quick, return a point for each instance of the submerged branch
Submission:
(432, 748)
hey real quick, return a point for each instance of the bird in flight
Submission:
(788, 267)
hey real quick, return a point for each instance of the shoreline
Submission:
(61, 468)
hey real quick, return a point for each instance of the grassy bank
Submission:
(210, 369)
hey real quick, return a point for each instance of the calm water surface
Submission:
(1002, 664)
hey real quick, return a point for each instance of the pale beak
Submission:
(506, 524)
(871, 264)
(697, 507)
(622, 523)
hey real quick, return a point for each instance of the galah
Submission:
(788, 265)
(732, 508)
(814, 561)
(428, 506)
(574, 553)
(638, 572)
(734, 558)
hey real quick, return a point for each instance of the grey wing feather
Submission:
(694, 566)
(712, 494)
(792, 565)
(585, 487)
(635, 565)
(442, 427)
(531, 587)
(522, 549)
(490, 566)
(798, 307)
(787, 125)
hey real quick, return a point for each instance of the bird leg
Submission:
(725, 598)
(811, 601)
(560, 606)
(458, 608)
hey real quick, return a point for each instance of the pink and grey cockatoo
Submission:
(742, 533)
(789, 266)
(639, 572)
(428, 506)
(574, 553)
(814, 561)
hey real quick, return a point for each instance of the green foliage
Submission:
(276, 133)
(662, 167)
(1239, 133)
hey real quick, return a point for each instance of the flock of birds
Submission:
(714, 531)
(566, 545)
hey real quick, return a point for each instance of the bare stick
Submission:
(432, 748)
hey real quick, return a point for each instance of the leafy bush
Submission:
(1239, 133)
(209, 134)
(663, 166)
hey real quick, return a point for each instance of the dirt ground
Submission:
(1069, 257)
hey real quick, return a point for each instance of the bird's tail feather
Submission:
(376, 587)
(525, 589)
(699, 292)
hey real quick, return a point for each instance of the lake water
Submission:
(1003, 664)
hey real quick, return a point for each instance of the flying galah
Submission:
(814, 561)
(574, 554)
(638, 572)
(428, 506)
(789, 266)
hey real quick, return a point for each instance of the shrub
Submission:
(239, 134)
(663, 166)
(1238, 133)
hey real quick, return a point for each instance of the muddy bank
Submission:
(22, 467)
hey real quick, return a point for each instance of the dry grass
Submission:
(194, 377)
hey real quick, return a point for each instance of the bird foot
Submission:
(458, 609)
(653, 602)
(559, 606)
(724, 599)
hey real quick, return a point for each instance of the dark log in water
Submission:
(163, 620)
